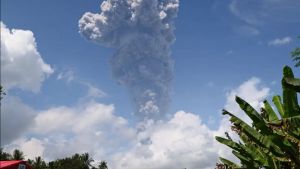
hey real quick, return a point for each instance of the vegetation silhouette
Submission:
(273, 140)
(76, 161)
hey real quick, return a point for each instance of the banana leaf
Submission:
(290, 100)
(293, 83)
(277, 101)
(229, 163)
(254, 135)
(256, 118)
(269, 110)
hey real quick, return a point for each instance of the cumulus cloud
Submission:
(21, 67)
(141, 31)
(280, 42)
(16, 119)
(182, 141)
(252, 91)
(21, 64)
(31, 147)
(92, 128)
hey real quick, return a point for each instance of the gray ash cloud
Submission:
(141, 31)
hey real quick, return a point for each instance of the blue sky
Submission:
(219, 46)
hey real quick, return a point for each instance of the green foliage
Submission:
(2, 93)
(272, 142)
(4, 155)
(102, 165)
(77, 161)
(18, 155)
(38, 163)
(296, 56)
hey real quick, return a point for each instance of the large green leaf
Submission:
(256, 118)
(257, 137)
(229, 163)
(270, 112)
(272, 142)
(279, 106)
(288, 125)
(276, 145)
(229, 143)
(290, 100)
(256, 154)
(291, 122)
(293, 83)
(245, 160)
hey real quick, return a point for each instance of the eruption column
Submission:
(141, 31)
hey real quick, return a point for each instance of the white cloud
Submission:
(249, 18)
(76, 119)
(247, 30)
(55, 119)
(16, 118)
(261, 12)
(183, 141)
(91, 127)
(33, 148)
(257, 14)
(252, 91)
(21, 64)
(280, 42)
(94, 92)
(67, 75)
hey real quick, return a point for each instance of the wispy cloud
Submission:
(256, 14)
(248, 17)
(280, 41)
(248, 30)
(67, 75)
(259, 12)
(93, 91)
(229, 52)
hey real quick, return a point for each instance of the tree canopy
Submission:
(296, 55)
(76, 161)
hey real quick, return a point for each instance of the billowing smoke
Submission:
(141, 31)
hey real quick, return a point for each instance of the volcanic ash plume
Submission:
(142, 32)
